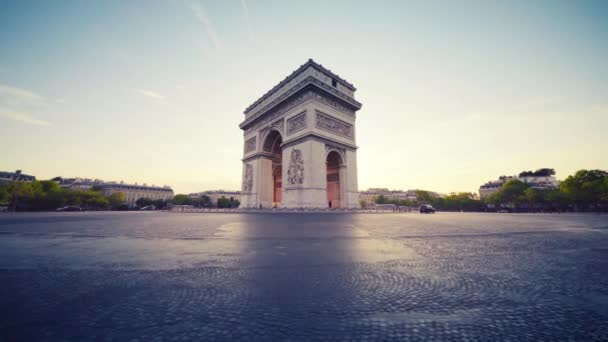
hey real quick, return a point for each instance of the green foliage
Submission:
(5, 196)
(48, 195)
(224, 202)
(117, 199)
(144, 202)
(462, 201)
(181, 199)
(363, 203)
(424, 197)
(202, 202)
(587, 189)
(381, 200)
(512, 192)
(545, 172)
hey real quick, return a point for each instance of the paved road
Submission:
(302, 277)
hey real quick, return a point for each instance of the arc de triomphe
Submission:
(300, 149)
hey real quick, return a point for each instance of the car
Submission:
(148, 207)
(427, 209)
(69, 208)
(3, 209)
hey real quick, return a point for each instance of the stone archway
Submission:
(272, 193)
(335, 180)
(302, 119)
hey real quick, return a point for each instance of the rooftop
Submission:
(303, 67)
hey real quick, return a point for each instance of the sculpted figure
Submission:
(295, 173)
(248, 181)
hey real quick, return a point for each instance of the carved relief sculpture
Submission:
(296, 123)
(334, 125)
(250, 145)
(295, 173)
(248, 180)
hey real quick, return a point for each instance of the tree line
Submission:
(586, 190)
(204, 201)
(48, 195)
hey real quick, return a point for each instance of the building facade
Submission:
(78, 183)
(493, 186)
(369, 196)
(535, 181)
(133, 192)
(300, 143)
(7, 177)
(540, 182)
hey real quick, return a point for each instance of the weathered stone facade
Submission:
(300, 149)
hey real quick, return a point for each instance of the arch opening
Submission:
(272, 145)
(334, 166)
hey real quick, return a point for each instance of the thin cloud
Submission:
(23, 94)
(201, 15)
(22, 117)
(151, 94)
(247, 21)
(17, 103)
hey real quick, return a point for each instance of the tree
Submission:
(381, 199)
(116, 199)
(544, 172)
(143, 202)
(604, 191)
(5, 196)
(202, 201)
(223, 202)
(160, 204)
(556, 200)
(20, 193)
(532, 196)
(586, 188)
(424, 197)
(181, 199)
(462, 201)
(512, 192)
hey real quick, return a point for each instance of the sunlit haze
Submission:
(454, 93)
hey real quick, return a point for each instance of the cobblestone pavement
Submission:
(217, 277)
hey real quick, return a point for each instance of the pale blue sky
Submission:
(454, 93)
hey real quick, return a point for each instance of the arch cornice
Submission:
(308, 83)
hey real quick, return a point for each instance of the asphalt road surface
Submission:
(151, 276)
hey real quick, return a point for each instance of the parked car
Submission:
(69, 208)
(3, 209)
(427, 209)
(148, 207)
